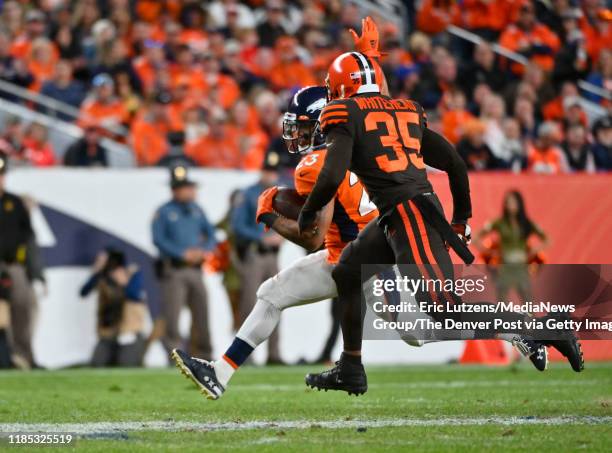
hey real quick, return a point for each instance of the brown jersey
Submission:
(386, 137)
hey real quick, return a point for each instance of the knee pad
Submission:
(270, 292)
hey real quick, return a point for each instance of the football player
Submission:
(309, 279)
(386, 142)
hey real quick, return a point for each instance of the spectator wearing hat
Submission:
(16, 234)
(257, 248)
(87, 150)
(602, 146)
(35, 27)
(149, 131)
(102, 106)
(183, 235)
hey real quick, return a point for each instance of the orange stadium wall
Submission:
(575, 211)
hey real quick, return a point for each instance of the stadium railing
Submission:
(62, 134)
(592, 109)
(48, 105)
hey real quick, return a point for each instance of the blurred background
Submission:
(134, 134)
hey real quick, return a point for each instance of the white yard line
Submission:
(100, 428)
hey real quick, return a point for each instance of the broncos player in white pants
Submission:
(308, 279)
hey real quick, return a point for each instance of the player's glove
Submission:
(367, 43)
(265, 211)
(464, 232)
(306, 220)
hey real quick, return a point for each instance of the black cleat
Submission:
(566, 342)
(570, 348)
(536, 352)
(201, 372)
(347, 377)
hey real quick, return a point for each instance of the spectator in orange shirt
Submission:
(219, 148)
(222, 89)
(103, 107)
(149, 132)
(598, 32)
(37, 150)
(253, 140)
(35, 21)
(544, 156)
(486, 18)
(181, 101)
(455, 116)
(149, 64)
(185, 70)
(531, 39)
(42, 59)
(435, 15)
(289, 71)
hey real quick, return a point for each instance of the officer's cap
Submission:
(179, 177)
(271, 161)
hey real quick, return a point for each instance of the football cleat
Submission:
(201, 372)
(570, 348)
(534, 351)
(567, 344)
(348, 377)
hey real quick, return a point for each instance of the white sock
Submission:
(224, 371)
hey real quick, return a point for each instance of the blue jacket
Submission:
(243, 216)
(179, 226)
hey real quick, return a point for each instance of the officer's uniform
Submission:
(176, 228)
(15, 235)
(259, 261)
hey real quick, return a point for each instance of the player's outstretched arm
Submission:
(439, 153)
(312, 239)
(337, 162)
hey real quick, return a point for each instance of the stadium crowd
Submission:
(211, 78)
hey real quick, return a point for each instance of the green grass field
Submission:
(425, 408)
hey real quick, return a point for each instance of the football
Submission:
(288, 203)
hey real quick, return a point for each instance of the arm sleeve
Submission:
(337, 162)
(439, 153)
(89, 285)
(209, 231)
(162, 242)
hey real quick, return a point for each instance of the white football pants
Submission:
(306, 281)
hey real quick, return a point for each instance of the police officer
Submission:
(258, 248)
(15, 235)
(183, 234)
